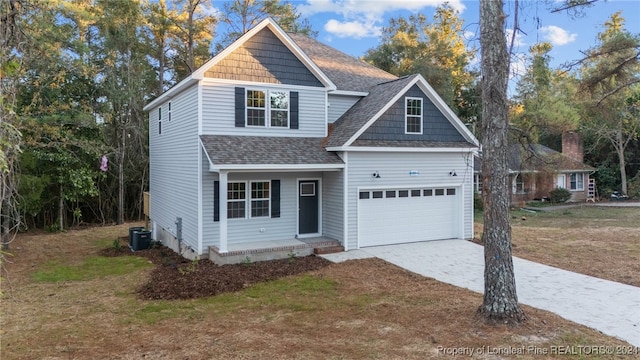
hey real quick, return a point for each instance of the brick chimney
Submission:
(572, 145)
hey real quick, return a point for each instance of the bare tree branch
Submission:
(573, 4)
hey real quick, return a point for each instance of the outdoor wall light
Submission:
(452, 173)
(375, 175)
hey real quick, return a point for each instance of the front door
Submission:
(561, 182)
(308, 207)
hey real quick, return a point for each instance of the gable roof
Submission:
(346, 72)
(225, 151)
(381, 97)
(365, 109)
(199, 73)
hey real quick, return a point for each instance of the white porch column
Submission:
(223, 211)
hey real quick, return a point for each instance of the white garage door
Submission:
(394, 216)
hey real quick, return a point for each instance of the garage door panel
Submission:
(392, 220)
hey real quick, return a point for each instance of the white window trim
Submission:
(237, 200)
(267, 108)
(577, 188)
(407, 116)
(515, 184)
(250, 199)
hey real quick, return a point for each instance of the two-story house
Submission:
(280, 138)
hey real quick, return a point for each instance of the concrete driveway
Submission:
(610, 307)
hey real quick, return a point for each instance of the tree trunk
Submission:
(500, 302)
(161, 67)
(5, 223)
(620, 145)
(121, 175)
(61, 209)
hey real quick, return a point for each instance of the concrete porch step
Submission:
(265, 251)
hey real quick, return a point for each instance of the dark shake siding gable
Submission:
(264, 58)
(391, 125)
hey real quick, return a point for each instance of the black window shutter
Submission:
(240, 108)
(293, 121)
(216, 200)
(275, 198)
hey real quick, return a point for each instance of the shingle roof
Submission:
(259, 150)
(536, 157)
(358, 115)
(346, 72)
(413, 143)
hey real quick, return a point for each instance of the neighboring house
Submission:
(535, 170)
(280, 138)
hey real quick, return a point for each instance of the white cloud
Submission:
(557, 35)
(355, 29)
(370, 8)
(518, 41)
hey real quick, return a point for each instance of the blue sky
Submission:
(353, 26)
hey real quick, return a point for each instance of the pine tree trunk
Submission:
(500, 302)
(121, 175)
(5, 223)
(61, 209)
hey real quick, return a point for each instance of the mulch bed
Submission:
(175, 277)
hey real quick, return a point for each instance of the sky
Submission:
(354, 26)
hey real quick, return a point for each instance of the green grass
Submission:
(93, 267)
(581, 216)
(297, 294)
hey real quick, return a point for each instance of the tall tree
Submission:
(610, 80)
(125, 72)
(240, 16)
(11, 44)
(436, 50)
(192, 32)
(500, 303)
(544, 99)
(160, 27)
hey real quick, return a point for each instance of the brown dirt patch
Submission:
(611, 253)
(177, 278)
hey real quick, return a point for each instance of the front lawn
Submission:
(364, 309)
(599, 241)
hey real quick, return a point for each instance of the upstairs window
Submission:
(160, 120)
(256, 108)
(271, 113)
(169, 114)
(413, 115)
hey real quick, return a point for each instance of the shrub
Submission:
(633, 187)
(559, 195)
(478, 205)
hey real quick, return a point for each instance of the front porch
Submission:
(273, 250)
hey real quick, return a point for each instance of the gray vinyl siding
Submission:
(264, 58)
(391, 125)
(218, 112)
(394, 170)
(332, 205)
(210, 228)
(250, 229)
(173, 177)
(339, 104)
